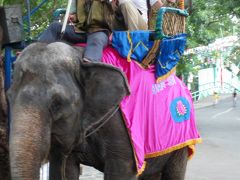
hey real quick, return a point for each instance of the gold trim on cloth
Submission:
(166, 75)
(176, 147)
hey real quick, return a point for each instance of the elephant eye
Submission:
(59, 107)
(56, 105)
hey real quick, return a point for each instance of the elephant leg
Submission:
(55, 161)
(156, 176)
(120, 170)
(175, 168)
(72, 168)
(61, 171)
(153, 177)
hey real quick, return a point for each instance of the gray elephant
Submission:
(65, 111)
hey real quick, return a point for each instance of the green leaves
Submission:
(212, 19)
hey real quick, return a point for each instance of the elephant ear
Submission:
(103, 87)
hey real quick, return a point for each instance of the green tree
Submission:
(211, 19)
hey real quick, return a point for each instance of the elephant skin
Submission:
(4, 156)
(56, 101)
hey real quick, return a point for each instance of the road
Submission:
(218, 157)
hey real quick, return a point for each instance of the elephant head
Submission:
(56, 98)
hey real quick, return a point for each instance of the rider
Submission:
(141, 14)
(92, 23)
(132, 16)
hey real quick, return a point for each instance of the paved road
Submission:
(218, 157)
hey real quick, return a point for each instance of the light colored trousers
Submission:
(132, 17)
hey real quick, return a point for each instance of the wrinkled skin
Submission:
(56, 100)
(4, 161)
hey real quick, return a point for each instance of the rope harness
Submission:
(103, 120)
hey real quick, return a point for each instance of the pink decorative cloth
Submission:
(159, 116)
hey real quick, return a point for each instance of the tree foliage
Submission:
(211, 19)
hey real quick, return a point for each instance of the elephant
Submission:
(65, 111)
(4, 161)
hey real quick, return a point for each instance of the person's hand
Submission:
(72, 18)
(114, 4)
(158, 4)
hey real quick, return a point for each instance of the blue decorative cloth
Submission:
(137, 44)
(132, 44)
(170, 51)
(180, 109)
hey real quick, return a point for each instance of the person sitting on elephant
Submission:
(140, 14)
(150, 8)
(133, 19)
(91, 24)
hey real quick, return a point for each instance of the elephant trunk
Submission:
(29, 142)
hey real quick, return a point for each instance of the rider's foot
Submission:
(86, 60)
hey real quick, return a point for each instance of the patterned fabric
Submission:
(143, 45)
(137, 44)
(180, 109)
(132, 44)
(171, 50)
(159, 116)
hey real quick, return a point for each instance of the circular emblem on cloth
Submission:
(180, 109)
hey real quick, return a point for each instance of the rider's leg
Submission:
(133, 19)
(53, 34)
(96, 42)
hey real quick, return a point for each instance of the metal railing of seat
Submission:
(219, 87)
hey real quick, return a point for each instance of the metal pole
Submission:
(35, 9)
(8, 67)
(28, 17)
(9, 59)
(66, 16)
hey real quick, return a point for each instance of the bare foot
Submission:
(86, 60)
(172, 1)
(157, 5)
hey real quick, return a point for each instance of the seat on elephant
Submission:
(159, 115)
